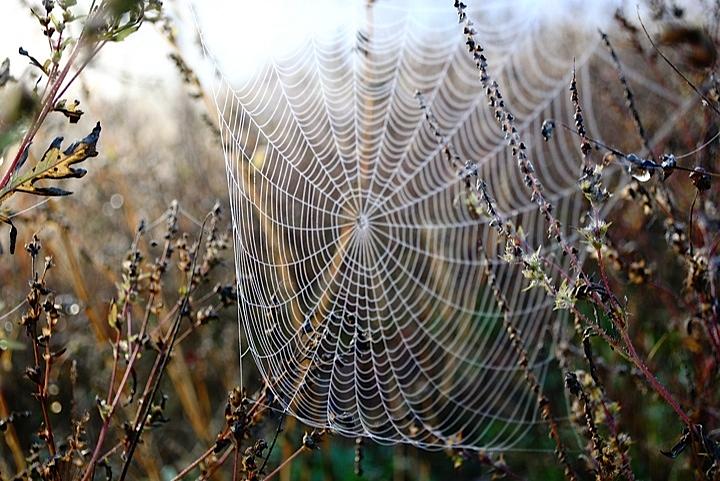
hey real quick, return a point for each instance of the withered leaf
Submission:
(59, 353)
(71, 110)
(55, 164)
(679, 447)
(33, 374)
(33, 60)
(13, 232)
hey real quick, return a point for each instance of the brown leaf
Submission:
(55, 164)
(71, 110)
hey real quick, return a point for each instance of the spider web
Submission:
(364, 299)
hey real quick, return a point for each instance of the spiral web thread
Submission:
(364, 300)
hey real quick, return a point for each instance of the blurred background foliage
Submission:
(156, 146)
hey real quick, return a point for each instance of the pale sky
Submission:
(243, 34)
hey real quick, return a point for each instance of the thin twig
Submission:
(677, 71)
(275, 438)
(287, 461)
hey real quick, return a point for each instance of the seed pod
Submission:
(700, 179)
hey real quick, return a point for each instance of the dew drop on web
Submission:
(640, 174)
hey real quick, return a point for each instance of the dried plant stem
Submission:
(199, 460)
(543, 402)
(512, 332)
(89, 470)
(41, 392)
(222, 436)
(707, 101)
(218, 464)
(274, 441)
(519, 151)
(285, 463)
(629, 97)
(585, 147)
(236, 463)
(612, 424)
(209, 452)
(42, 387)
(134, 342)
(640, 364)
(161, 361)
(113, 372)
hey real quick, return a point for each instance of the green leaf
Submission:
(124, 33)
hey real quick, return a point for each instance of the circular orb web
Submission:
(364, 298)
